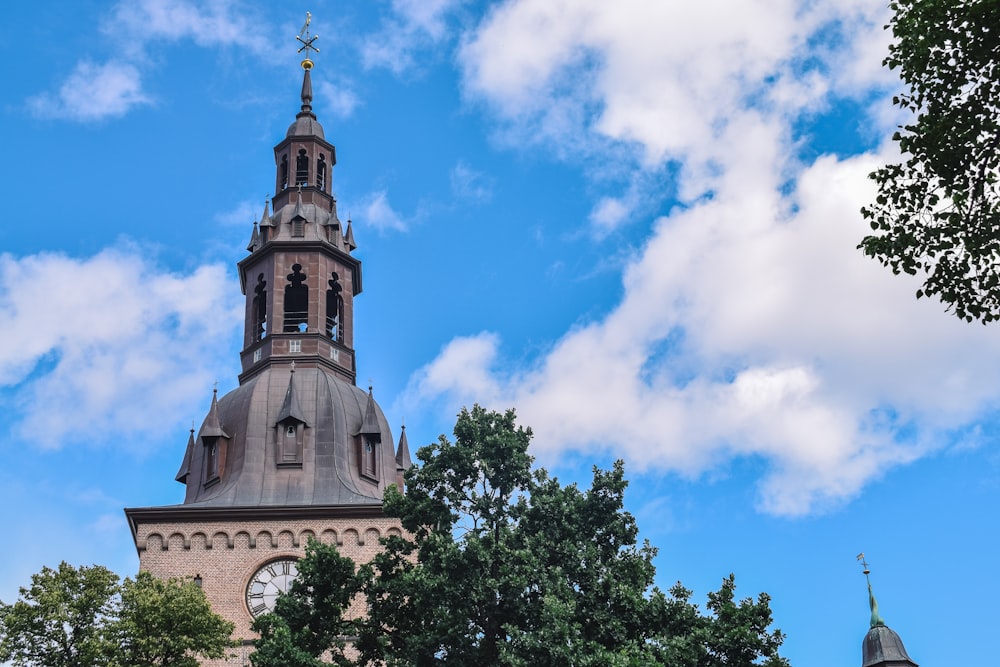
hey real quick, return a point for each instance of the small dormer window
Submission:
(368, 457)
(211, 459)
(289, 436)
(298, 227)
(294, 346)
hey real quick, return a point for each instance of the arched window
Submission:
(260, 308)
(335, 309)
(321, 172)
(296, 301)
(283, 173)
(302, 168)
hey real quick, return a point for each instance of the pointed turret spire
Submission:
(297, 211)
(307, 94)
(403, 461)
(369, 426)
(254, 239)
(212, 427)
(290, 407)
(185, 469)
(349, 237)
(265, 218)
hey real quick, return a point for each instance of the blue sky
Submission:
(635, 222)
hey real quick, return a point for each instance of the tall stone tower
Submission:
(297, 450)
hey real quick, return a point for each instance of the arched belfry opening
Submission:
(335, 309)
(302, 168)
(296, 301)
(283, 173)
(321, 172)
(260, 308)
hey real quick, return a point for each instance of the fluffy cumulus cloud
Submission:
(93, 92)
(750, 326)
(377, 212)
(411, 25)
(209, 23)
(90, 343)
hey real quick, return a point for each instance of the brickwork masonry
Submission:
(227, 553)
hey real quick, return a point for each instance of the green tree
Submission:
(86, 617)
(61, 620)
(938, 211)
(505, 566)
(310, 619)
(167, 623)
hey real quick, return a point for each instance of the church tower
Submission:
(297, 450)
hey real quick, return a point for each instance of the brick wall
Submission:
(227, 553)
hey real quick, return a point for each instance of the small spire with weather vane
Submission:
(872, 604)
(308, 43)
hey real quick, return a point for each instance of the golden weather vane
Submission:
(308, 42)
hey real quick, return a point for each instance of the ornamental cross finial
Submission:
(876, 619)
(307, 41)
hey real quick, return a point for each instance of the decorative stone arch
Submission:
(351, 538)
(329, 536)
(156, 541)
(372, 536)
(305, 535)
(286, 540)
(243, 539)
(226, 542)
(177, 541)
(394, 532)
(265, 537)
(199, 541)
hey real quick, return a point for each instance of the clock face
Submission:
(265, 585)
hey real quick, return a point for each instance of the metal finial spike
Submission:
(215, 387)
(308, 43)
(876, 619)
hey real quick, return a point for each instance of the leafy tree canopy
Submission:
(938, 211)
(86, 617)
(310, 619)
(503, 565)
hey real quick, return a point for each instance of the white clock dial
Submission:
(265, 585)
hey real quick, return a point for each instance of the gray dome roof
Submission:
(884, 648)
(305, 125)
(252, 419)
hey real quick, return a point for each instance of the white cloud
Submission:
(244, 214)
(211, 23)
(97, 91)
(668, 77)
(340, 100)
(89, 344)
(750, 326)
(748, 334)
(378, 213)
(93, 92)
(414, 25)
(469, 184)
